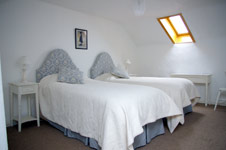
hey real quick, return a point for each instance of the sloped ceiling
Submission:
(141, 29)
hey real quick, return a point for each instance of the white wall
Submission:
(33, 28)
(3, 137)
(207, 55)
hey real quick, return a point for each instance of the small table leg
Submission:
(206, 101)
(29, 105)
(12, 107)
(19, 112)
(37, 109)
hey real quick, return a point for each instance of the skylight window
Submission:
(176, 28)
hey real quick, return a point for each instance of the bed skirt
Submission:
(187, 109)
(151, 130)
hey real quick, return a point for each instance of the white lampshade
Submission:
(24, 60)
(128, 62)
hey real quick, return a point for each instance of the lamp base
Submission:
(23, 80)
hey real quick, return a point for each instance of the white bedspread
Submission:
(113, 114)
(182, 91)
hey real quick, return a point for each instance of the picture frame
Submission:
(81, 39)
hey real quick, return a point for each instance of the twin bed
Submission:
(182, 91)
(103, 115)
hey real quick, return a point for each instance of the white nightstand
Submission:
(197, 78)
(20, 89)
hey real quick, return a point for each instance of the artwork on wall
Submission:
(81, 39)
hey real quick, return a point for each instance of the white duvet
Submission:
(113, 114)
(182, 91)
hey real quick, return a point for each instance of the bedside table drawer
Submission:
(28, 89)
(196, 79)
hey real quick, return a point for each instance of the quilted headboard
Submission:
(102, 64)
(55, 59)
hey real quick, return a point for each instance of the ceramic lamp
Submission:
(24, 64)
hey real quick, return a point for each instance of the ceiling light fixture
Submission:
(138, 7)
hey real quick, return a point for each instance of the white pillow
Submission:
(72, 76)
(120, 72)
(105, 77)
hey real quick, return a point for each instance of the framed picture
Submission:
(81, 39)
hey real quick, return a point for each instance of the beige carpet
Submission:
(204, 129)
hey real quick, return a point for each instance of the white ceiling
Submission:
(120, 11)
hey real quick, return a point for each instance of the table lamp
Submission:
(128, 62)
(24, 64)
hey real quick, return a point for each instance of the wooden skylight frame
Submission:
(176, 28)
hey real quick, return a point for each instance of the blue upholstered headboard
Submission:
(55, 59)
(102, 64)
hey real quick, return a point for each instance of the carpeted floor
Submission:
(204, 129)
